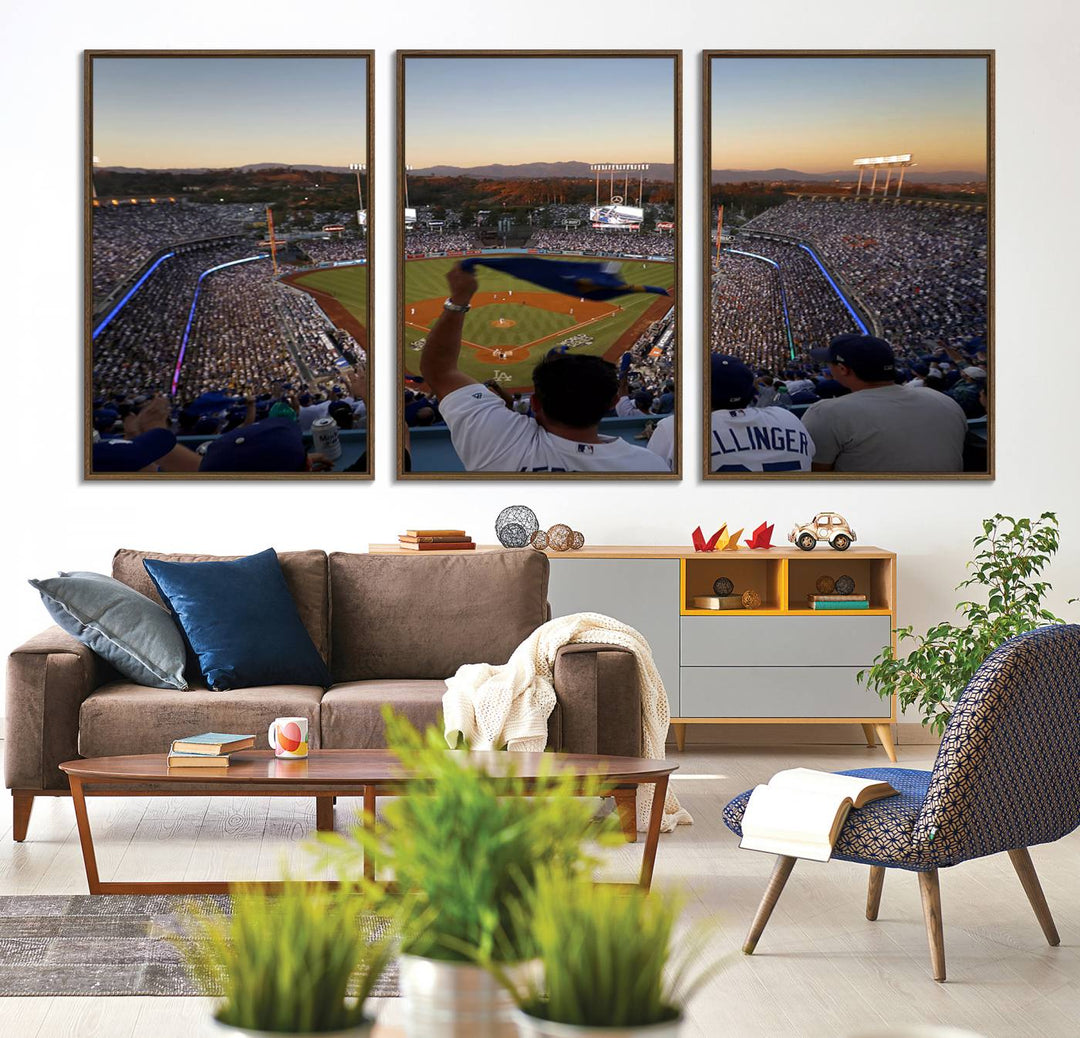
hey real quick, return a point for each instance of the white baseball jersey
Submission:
(626, 408)
(662, 441)
(759, 439)
(489, 437)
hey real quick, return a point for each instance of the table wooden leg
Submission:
(324, 814)
(652, 837)
(369, 823)
(86, 838)
(626, 806)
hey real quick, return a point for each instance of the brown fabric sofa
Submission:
(391, 629)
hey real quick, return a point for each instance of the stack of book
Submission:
(436, 540)
(209, 750)
(838, 601)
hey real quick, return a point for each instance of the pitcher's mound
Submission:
(503, 322)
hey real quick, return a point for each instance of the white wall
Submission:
(56, 521)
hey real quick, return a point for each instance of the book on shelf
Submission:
(837, 598)
(436, 545)
(435, 538)
(197, 760)
(212, 744)
(718, 602)
(825, 606)
(458, 534)
(800, 812)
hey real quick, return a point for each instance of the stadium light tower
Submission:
(361, 215)
(886, 162)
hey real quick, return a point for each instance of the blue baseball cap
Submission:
(872, 359)
(731, 382)
(272, 445)
(132, 455)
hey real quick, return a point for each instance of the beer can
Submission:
(325, 438)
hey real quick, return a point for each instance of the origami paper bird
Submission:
(700, 544)
(733, 541)
(761, 537)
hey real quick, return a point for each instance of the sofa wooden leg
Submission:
(626, 806)
(873, 892)
(931, 905)
(1021, 860)
(324, 814)
(680, 736)
(22, 805)
(884, 733)
(781, 871)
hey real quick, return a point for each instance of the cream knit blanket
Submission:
(510, 705)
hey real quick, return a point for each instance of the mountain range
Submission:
(914, 176)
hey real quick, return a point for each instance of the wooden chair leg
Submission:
(22, 804)
(884, 732)
(1021, 860)
(871, 739)
(873, 892)
(931, 905)
(680, 736)
(781, 871)
(626, 806)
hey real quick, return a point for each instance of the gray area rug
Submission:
(110, 944)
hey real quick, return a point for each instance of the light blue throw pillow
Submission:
(136, 635)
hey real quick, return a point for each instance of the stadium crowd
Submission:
(126, 236)
(586, 239)
(441, 241)
(333, 250)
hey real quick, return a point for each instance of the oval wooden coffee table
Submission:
(327, 774)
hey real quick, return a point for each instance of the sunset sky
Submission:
(476, 111)
(164, 113)
(817, 114)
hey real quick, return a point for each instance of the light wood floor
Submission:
(820, 969)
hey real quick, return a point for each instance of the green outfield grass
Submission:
(348, 285)
(426, 279)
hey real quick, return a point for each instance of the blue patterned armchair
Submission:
(1006, 777)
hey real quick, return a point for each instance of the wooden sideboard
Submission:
(780, 663)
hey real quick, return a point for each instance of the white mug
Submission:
(288, 737)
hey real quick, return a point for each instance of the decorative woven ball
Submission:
(515, 526)
(539, 540)
(560, 537)
(577, 542)
(845, 585)
(825, 585)
(751, 599)
(723, 586)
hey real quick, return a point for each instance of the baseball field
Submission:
(512, 323)
(342, 293)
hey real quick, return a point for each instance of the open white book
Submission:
(801, 811)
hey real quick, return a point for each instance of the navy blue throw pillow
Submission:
(241, 621)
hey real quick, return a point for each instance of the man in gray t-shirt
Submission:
(881, 427)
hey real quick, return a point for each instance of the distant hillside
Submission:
(539, 171)
(913, 175)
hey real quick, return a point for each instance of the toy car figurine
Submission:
(825, 526)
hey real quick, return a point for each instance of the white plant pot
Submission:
(452, 1000)
(534, 1027)
(359, 1031)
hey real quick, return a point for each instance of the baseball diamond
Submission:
(342, 294)
(512, 325)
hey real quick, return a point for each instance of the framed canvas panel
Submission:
(848, 265)
(538, 264)
(228, 280)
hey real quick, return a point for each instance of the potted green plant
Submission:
(1010, 556)
(607, 966)
(298, 962)
(465, 849)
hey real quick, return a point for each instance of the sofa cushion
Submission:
(122, 718)
(304, 571)
(240, 618)
(352, 712)
(405, 616)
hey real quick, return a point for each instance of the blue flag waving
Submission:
(597, 281)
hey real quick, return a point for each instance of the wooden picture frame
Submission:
(301, 324)
(712, 161)
(407, 464)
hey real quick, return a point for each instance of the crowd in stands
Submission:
(334, 250)
(921, 268)
(441, 241)
(126, 236)
(586, 239)
(747, 311)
